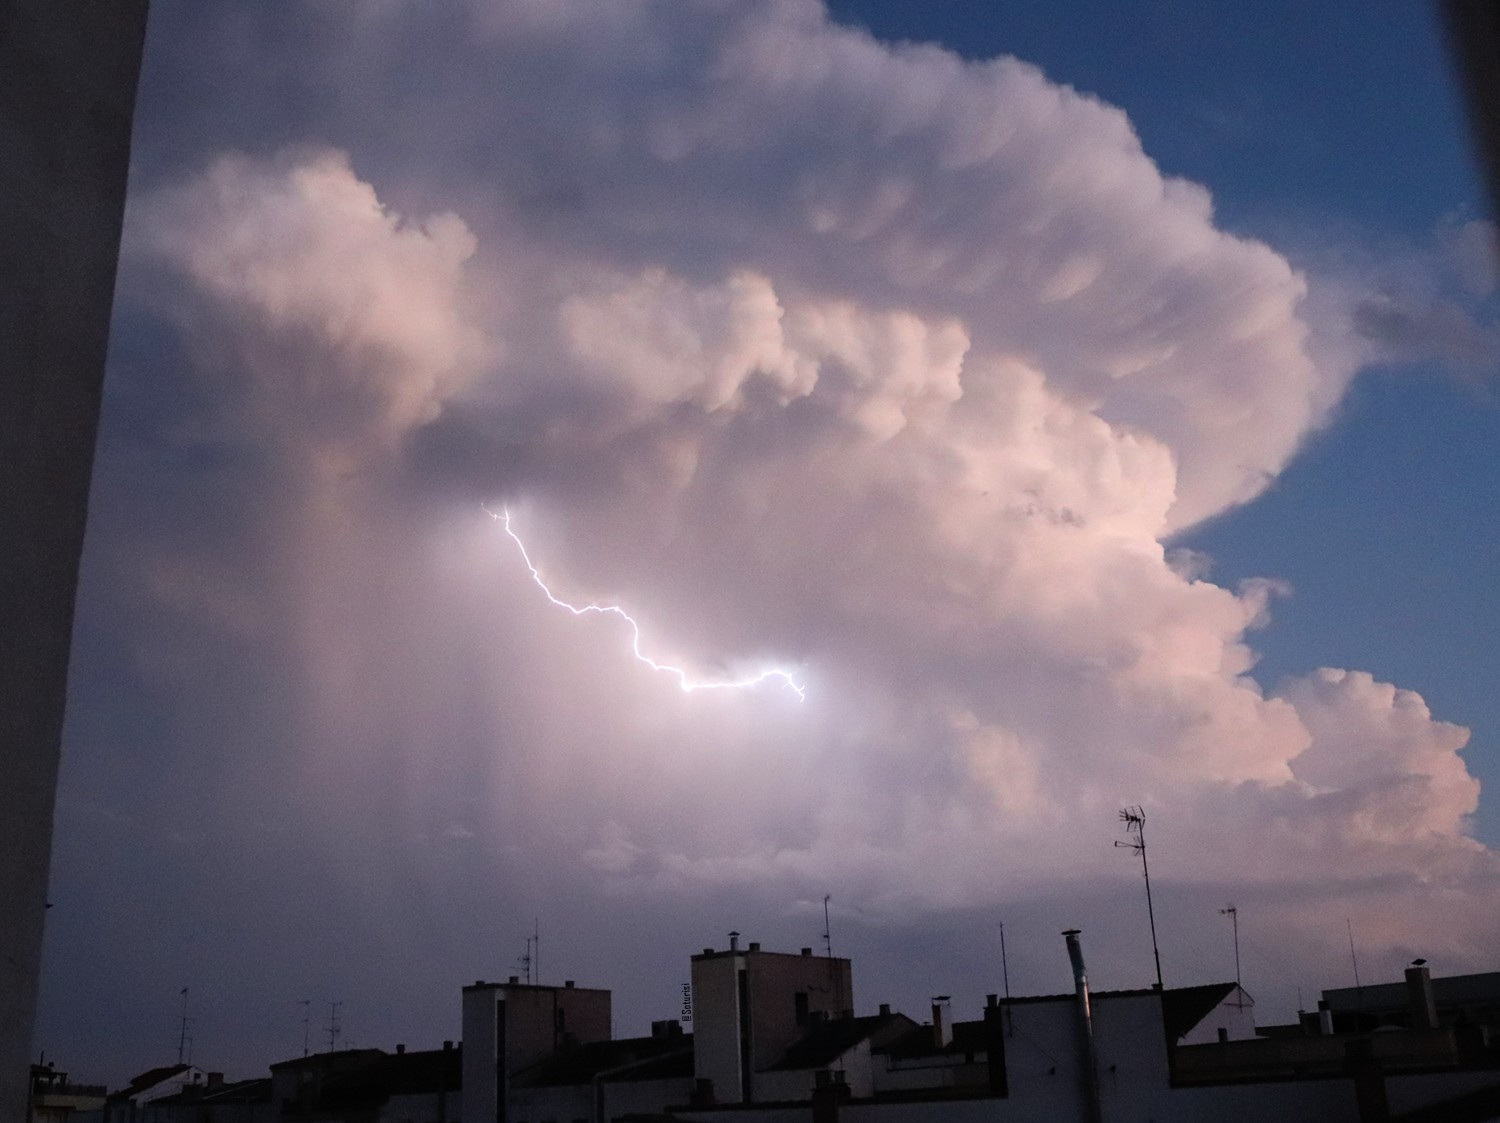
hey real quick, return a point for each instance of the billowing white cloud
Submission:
(900, 369)
(335, 321)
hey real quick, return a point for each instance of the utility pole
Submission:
(1134, 819)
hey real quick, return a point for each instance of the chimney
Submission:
(515, 980)
(400, 1049)
(447, 1046)
(754, 946)
(567, 984)
(991, 1000)
(734, 941)
(885, 1009)
(1088, 1068)
(942, 1023)
(807, 951)
(1419, 998)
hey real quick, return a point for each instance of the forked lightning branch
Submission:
(687, 682)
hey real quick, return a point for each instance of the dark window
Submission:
(800, 998)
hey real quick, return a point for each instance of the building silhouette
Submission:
(776, 1038)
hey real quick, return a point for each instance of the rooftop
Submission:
(830, 1039)
(630, 1058)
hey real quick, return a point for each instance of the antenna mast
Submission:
(1234, 917)
(835, 976)
(182, 1037)
(306, 1005)
(335, 1026)
(1359, 991)
(526, 961)
(1134, 819)
(536, 949)
(1005, 973)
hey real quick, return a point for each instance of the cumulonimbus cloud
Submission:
(895, 366)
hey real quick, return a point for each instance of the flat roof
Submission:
(480, 984)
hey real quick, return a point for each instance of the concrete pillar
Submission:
(68, 75)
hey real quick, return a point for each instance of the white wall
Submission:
(421, 1107)
(561, 1104)
(716, 1024)
(644, 1096)
(1237, 1020)
(1407, 1093)
(480, 1081)
(67, 92)
(797, 1084)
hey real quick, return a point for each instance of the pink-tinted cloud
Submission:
(900, 369)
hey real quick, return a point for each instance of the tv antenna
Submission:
(182, 1029)
(1359, 991)
(1134, 819)
(835, 976)
(526, 961)
(335, 1024)
(306, 1005)
(1234, 918)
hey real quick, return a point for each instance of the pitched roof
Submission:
(427, 1070)
(828, 1040)
(363, 1077)
(340, 1058)
(148, 1080)
(257, 1090)
(1184, 1007)
(968, 1037)
(630, 1058)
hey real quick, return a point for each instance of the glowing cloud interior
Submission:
(788, 678)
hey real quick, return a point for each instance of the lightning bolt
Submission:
(687, 683)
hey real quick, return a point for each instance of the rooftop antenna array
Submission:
(536, 949)
(1134, 819)
(827, 927)
(306, 1005)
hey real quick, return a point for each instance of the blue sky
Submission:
(1312, 123)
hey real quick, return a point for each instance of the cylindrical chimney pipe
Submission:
(942, 1022)
(1088, 1057)
(1419, 997)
